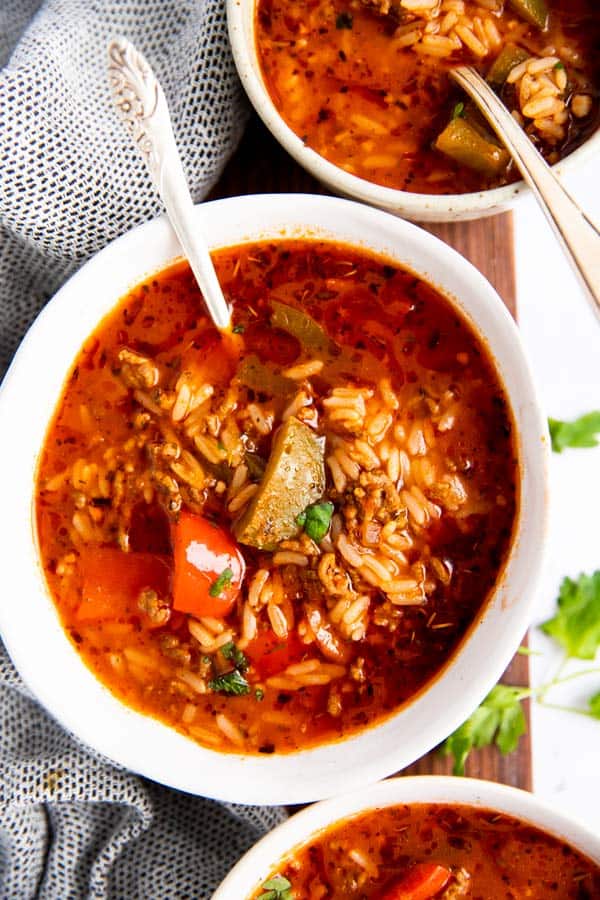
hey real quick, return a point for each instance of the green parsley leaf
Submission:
(559, 65)
(459, 111)
(316, 519)
(581, 432)
(238, 329)
(576, 625)
(259, 694)
(344, 20)
(594, 706)
(499, 719)
(219, 585)
(231, 683)
(276, 888)
(235, 655)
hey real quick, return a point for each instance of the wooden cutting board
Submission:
(261, 166)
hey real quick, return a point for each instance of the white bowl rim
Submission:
(31, 629)
(255, 866)
(418, 207)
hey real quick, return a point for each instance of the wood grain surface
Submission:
(261, 166)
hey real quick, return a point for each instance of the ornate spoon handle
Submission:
(140, 99)
(579, 236)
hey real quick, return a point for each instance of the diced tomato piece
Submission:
(112, 581)
(209, 568)
(271, 654)
(423, 882)
(213, 362)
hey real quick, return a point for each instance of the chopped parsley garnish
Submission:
(220, 583)
(316, 519)
(559, 65)
(500, 719)
(276, 888)
(259, 694)
(230, 683)
(235, 655)
(459, 111)
(581, 432)
(238, 329)
(344, 20)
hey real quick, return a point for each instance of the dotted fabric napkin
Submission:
(71, 824)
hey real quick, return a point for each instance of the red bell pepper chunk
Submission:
(209, 568)
(112, 581)
(270, 654)
(423, 882)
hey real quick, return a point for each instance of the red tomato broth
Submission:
(402, 852)
(366, 303)
(320, 76)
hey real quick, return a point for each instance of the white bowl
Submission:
(418, 207)
(29, 623)
(252, 870)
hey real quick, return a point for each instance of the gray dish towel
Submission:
(71, 824)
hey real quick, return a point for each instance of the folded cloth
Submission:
(73, 825)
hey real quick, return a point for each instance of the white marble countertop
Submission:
(562, 339)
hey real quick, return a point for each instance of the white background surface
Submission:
(562, 339)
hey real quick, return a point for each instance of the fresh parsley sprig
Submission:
(576, 625)
(220, 583)
(276, 888)
(230, 683)
(581, 432)
(233, 653)
(500, 719)
(316, 519)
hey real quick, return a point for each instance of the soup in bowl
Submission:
(263, 543)
(360, 92)
(426, 838)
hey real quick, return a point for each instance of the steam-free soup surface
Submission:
(437, 852)
(276, 539)
(366, 84)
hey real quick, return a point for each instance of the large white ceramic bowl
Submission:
(418, 207)
(29, 623)
(252, 870)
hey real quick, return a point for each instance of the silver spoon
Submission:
(140, 99)
(578, 235)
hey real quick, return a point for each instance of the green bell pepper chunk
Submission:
(533, 11)
(260, 377)
(294, 479)
(505, 62)
(301, 326)
(462, 143)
